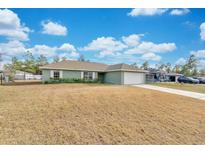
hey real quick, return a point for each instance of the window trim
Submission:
(54, 74)
(88, 75)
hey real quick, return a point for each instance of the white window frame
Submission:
(51, 73)
(61, 74)
(82, 75)
(55, 74)
(88, 75)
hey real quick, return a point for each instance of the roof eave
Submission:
(127, 70)
(66, 69)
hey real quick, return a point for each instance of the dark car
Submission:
(183, 79)
(201, 79)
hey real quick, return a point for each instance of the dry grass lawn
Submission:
(98, 114)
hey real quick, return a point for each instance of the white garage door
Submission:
(134, 78)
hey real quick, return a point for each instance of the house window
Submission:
(88, 75)
(56, 75)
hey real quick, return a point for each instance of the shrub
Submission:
(70, 80)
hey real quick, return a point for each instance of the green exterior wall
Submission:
(45, 75)
(72, 74)
(66, 74)
(114, 77)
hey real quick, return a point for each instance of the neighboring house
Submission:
(115, 74)
(156, 75)
(21, 75)
(173, 77)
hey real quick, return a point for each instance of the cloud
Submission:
(178, 12)
(146, 12)
(71, 55)
(151, 57)
(53, 28)
(201, 64)
(12, 48)
(67, 47)
(132, 40)
(105, 45)
(11, 26)
(74, 54)
(189, 24)
(146, 47)
(180, 61)
(199, 53)
(202, 33)
(110, 48)
(43, 50)
(17, 48)
(3, 63)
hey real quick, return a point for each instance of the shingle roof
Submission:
(76, 65)
(90, 66)
(123, 67)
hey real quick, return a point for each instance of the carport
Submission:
(173, 77)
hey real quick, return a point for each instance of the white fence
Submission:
(27, 77)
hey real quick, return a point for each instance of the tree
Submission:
(81, 58)
(202, 72)
(190, 68)
(15, 65)
(161, 67)
(42, 60)
(192, 62)
(64, 58)
(56, 59)
(30, 63)
(145, 65)
(194, 72)
(177, 69)
(11, 68)
(135, 65)
(168, 67)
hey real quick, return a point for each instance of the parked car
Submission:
(184, 79)
(201, 79)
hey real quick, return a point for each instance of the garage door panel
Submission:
(134, 78)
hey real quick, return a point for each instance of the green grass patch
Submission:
(200, 88)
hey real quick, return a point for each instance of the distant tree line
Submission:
(31, 64)
(188, 69)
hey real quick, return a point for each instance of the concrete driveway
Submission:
(174, 91)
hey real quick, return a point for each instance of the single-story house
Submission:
(115, 74)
